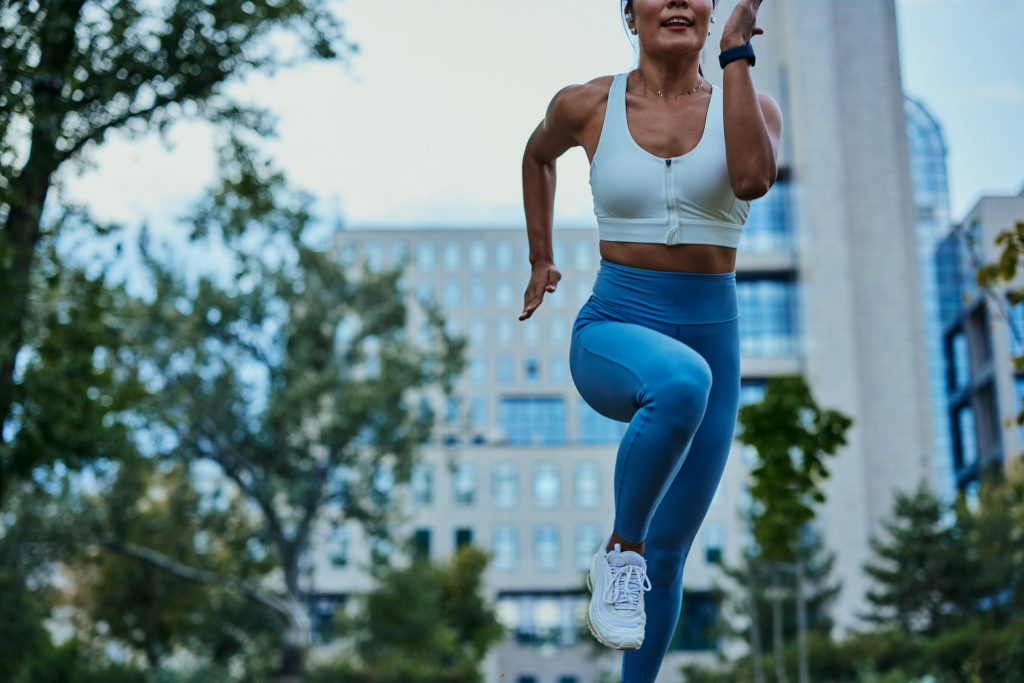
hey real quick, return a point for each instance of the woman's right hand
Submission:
(543, 278)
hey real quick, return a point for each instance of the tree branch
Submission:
(159, 102)
(183, 571)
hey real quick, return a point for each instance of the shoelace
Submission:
(623, 591)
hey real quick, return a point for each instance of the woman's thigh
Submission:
(614, 363)
(684, 506)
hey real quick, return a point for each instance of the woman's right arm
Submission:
(555, 134)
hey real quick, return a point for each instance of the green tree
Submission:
(160, 505)
(71, 71)
(922, 569)
(994, 279)
(76, 384)
(292, 374)
(423, 623)
(820, 590)
(791, 435)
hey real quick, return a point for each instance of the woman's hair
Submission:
(629, 4)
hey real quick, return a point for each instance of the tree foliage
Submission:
(424, 623)
(72, 71)
(791, 435)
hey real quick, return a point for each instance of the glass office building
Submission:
(928, 152)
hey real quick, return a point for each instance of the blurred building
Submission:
(830, 286)
(979, 340)
(928, 151)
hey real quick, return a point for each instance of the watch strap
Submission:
(744, 51)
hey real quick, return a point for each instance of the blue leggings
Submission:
(660, 350)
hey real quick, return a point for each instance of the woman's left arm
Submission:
(752, 120)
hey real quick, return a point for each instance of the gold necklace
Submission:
(700, 85)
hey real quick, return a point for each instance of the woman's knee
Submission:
(664, 563)
(683, 389)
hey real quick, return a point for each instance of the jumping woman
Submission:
(674, 164)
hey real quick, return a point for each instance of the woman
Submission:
(657, 344)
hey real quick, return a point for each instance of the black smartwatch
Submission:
(744, 51)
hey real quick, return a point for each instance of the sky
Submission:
(426, 124)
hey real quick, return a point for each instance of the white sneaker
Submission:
(617, 582)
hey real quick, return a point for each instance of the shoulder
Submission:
(573, 104)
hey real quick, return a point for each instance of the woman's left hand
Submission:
(741, 25)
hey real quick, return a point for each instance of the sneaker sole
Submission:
(600, 638)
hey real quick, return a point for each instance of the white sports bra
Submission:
(640, 197)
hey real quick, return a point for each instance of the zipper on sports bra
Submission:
(670, 196)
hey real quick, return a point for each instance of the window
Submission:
(503, 254)
(531, 330)
(506, 333)
(477, 255)
(505, 369)
(751, 391)
(503, 292)
(595, 427)
(478, 370)
(464, 484)
(505, 485)
(452, 257)
(452, 293)
(533, 419)
(766, 309)
(960, 361)
(478, 331)
(541, 619)
(557, 330)
(453, 406)
(383, 484)
(531, 368)
(505, 546)
(1018, 386)
(545, 546)
(478, 292)
(967, 435)
(463, 536)
(557, 369)
(714, 540)
(545, 485)
(374, 255)
(588, 539)
(587, 484)
(425, 256)
(398, 252)
(338, 546)
(421, 542)
(421, 482)
(478, 411)
(1015, 326)
(768, 226)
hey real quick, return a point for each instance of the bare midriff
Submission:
(694, 258)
